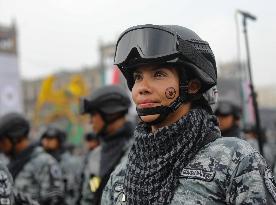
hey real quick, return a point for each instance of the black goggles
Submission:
(154, 42)
(85, 106)
(150, 41)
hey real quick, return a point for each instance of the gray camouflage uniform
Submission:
(40, 177)
(91, 168)
(226, 171)
(6, 182)
(70, 167)
(274, 171)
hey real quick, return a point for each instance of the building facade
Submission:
(10, 83)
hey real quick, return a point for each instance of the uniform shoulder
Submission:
(6, 181)
(225, 153)
(92, 161)
(118, 174)
(230, 146)
(39, 156)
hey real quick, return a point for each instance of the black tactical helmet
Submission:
(111, 102)
(173, 46)
(54, 132)
(14, 126)
(225, 108)
(148, 44)
(107, 100)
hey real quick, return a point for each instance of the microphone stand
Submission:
(251, 85)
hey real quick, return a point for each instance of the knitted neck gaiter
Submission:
(156, 159)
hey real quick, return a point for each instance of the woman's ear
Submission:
(194, 86)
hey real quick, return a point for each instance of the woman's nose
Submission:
(144, 86)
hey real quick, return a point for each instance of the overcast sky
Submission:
(56, 34)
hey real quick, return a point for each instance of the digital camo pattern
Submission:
(226, 171)
(70, 166)
(274, 170)
(40, 178)
(90, 168)
(6, 195)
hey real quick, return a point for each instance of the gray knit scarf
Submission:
(156, 159)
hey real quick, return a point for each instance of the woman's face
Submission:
(154, 86)
(50, 144)
(226, 122)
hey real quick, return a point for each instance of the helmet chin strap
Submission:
(162, 110)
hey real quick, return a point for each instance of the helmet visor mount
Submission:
(85, 106)
(150, 41)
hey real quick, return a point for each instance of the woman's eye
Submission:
(159, 74)
(137, 76)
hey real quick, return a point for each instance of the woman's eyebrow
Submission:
(137, 72)
(153, 68)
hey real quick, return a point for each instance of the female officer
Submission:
(178, 156)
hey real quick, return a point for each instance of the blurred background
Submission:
(54, 52)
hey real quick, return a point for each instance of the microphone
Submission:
(247, 15)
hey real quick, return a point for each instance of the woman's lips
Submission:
(147, 104)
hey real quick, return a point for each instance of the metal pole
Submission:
(251, 85)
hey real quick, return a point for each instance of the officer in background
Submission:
(90, 163)
(35, 173)
(53, 141)
(229, 118)
(108, 107)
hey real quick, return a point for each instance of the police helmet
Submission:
(14, 126)
(107, 100)
(225, 108)
(54, 132)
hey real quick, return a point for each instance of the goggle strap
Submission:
(163, 111)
